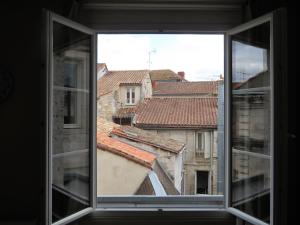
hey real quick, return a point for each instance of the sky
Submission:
(201, 57)
(248, 61)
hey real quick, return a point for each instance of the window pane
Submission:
(132, 95)
(70, 105)
(251, 122)
(128, 96)
(71, 73)
(199, 141)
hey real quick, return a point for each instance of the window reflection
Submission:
(251, 122)
(70, 121)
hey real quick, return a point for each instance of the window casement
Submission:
(71, 104)
(130, 95)
(65, 171)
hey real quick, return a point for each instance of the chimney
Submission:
(154, 83)
(181, 74)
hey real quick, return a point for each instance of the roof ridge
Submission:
(185, 98)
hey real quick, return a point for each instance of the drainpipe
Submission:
(211, 161)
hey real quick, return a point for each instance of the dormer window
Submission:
(130, 96)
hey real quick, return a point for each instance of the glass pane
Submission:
(70, 107)
(133, 95)
(70, 121)
(251, 157)
(71, 73)
(128, 96)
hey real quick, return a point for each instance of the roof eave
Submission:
(180, 127)
(148, 142)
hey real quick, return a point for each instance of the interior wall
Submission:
(22, 121)
(20, 115)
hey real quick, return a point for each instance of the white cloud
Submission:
(123, 51)
(200, 56)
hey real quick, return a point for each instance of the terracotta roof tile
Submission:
(148, 138)
(112, 79)
(104, 126)
(139, 156)
(177, 113)
(186, 88)
(124, 113)
(164, 75)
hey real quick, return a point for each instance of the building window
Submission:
(201, 182)
(71, 98)
(200, 144)
(130, 96)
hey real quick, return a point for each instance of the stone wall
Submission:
(191, 164)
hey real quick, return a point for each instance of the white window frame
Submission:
(238, 29)
(131, 89)
(50, 18)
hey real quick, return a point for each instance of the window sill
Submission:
(212, 217)
(71, 126)
(127, 104)
(187, 202)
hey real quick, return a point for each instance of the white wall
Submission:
(117, 175)
(171, 163)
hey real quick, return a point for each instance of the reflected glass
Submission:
(250, 180)
(70, 121)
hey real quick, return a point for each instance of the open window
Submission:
(249, 130)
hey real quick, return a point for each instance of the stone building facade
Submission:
(192, 121)
(120, 91)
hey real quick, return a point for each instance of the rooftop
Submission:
(104, 126)
(100, 66)
(148, 138)
(164, 75)
(124, 113)
(186, 88)
(112, 79)
(192, 113)
(106, 143)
